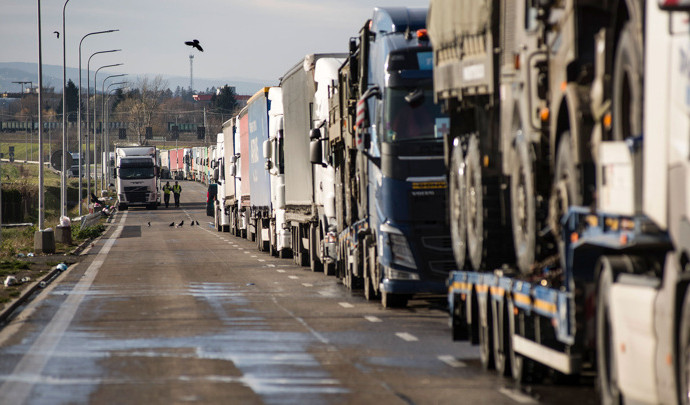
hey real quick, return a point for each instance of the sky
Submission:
(256, 40)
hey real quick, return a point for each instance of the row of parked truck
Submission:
(528, 158)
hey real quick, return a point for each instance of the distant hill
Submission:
(52, 77)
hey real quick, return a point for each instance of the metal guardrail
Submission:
(90, 219)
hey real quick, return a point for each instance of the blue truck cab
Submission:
(401, 236)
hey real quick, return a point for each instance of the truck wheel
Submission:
(482, 196)
(523, 205)
(607, 376)
(303, 253)
(314, 261)
(217, 222)
(522, 369)
(458, 207)
(257, 228)
(486, 347)
(390, 300)
(565, 190)
(501, 339)
(272, 239)
(684, 351)
(627, 86)
(458, 319)
(370, 278)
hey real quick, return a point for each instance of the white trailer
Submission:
(222, 175)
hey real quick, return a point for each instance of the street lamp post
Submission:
(95, 149)
(88, 94)
(104, 129)
(81, 153)
(63, 178)
(107, 134)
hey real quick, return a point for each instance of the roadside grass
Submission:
(17, 243)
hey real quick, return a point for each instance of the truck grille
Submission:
(136, 197)
(136, 189)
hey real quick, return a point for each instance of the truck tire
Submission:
(370, 274)
(565, 191)
(302, 254)
(627, 85)
(501, 338)
(315, 263)
(522, 369)
(607, 378)
(272, 243)
(684, 351)
(390, 300)
(486, 342)
(523, 205)
(458, 319)
(485, 241)
(458, 206)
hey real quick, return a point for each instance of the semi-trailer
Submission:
(308, 189)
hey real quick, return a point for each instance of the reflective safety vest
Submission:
(167, 189)
(177, 189)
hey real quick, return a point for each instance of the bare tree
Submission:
(141, 105)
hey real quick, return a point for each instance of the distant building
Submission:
(202, 97)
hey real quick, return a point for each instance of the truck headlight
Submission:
(402, 254)
(393, 274)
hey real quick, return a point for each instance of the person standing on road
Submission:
(177, 189)
(166, 193)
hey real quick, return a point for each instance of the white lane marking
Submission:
(451, 361)
(372, 319)
(517, 396)
(307, 284)
(346, 305)
(246, 251)
(293, 277)
(262, 260)
(255, 256)
(270, 265)
(280, 270)
(36, 358)
(407, 336)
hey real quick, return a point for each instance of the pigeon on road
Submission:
(197, 223)
(192, 223)
(149, 224)
(172, 224)
(180, 224)
(195, 44)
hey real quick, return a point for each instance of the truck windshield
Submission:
(136, 173)
(410, 114)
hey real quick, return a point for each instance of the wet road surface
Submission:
(159, 314)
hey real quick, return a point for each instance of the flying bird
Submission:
(57, 33)
(195, 44)
(172, 224)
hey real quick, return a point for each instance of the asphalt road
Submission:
(159, 315)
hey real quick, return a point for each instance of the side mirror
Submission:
(216, 174)
(268, 165)
(233, 170)
(315, 152)
(235, 157)
(315, 134)
(267, 148)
